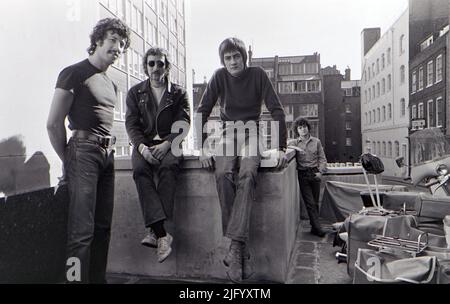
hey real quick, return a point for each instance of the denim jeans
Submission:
(156, 199)
(310, 190)
(236, 182)
(89, 170)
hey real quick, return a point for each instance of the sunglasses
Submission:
(159, 63)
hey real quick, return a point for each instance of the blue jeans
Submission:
(156, 199)
(89, 170)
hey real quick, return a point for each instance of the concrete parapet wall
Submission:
(199, 245)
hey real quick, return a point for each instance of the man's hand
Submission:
(318, 175)
(147, 155)
(206, 159)
(159, 151)
(282, 160)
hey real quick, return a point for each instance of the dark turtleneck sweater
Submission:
(241, 98)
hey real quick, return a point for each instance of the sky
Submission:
(287, 28)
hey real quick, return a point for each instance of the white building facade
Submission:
(384, 97)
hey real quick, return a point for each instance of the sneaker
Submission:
(150, 240)
(164, 248)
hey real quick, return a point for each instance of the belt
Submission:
(103, 141)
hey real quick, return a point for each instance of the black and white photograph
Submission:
(224, 147)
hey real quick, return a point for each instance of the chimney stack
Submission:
(347, 74)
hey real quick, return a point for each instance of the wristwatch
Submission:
(282, 149)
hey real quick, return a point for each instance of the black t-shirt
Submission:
(94, 97)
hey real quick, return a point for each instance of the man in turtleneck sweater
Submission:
(241, 90)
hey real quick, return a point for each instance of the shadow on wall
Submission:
(18, 175)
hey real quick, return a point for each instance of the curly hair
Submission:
(109, 24)
(156, 51)
(300, 121)
(231, 45)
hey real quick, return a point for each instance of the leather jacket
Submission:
(145, 119)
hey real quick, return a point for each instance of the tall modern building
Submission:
(47, 36)
(384, 93)
(297, 80)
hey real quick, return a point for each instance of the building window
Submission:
(367, 122)
(348, 125)
(389, 82)
(384, 113)
(373, 92)
(396, 149)
(299, 86)
(384, 149)
(402, 107)
(284, 69)
(389, 149)
(439, 68)
(389, 111)
(378, 115)
(426, 43)
(382, 61)
(378, 89)
(413, 82)
(383, 86)
(414, 112)
(285, 87)
(370, 94)
(163, 10)
(313, 86)
(430, 114)
(370, 117)
(348, 141)
(368, 72)
(348, 92)
(309, 110)
(420, 79)
(365, 95)
(378, 66)
(402, 74)
(388, 56)
(439, 112)
(402, 44)
(348, 108)
(120, 107)
(430, 66)
(420, 111)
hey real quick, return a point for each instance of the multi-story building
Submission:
(27, 158)
(298, 82)
(342, 116)
(428, 43)
(384, 94)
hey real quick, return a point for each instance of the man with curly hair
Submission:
(86, 96)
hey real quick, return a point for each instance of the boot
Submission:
(234, 261)
(247, 268)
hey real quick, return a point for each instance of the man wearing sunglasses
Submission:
(242, 91)
(153, 107)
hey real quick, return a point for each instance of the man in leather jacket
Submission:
(157, 120)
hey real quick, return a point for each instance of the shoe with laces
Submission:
(150, 240)
(164, 248)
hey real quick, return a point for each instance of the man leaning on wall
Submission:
(86, 96)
